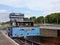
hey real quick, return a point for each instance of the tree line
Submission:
(53, 18)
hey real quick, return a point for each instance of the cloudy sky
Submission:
(28, 7)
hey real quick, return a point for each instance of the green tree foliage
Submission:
(33, 19)
(53, 18)
(40, 19)
(26, 19)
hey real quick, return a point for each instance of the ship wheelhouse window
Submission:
(24, 24)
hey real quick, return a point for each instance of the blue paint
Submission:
(25, 31)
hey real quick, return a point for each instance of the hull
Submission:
(25, 31)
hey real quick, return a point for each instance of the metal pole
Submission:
(57, 19)
(44, 20)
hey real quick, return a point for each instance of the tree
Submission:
(40, 19)
(26, 19)
(53, 18)
(33, 19)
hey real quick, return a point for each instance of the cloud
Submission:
(13, 3)
(32, 4)
(4, 15)
(47, 6)
(4, 11)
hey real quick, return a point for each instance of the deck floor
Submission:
(5, 41)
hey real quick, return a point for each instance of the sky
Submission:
(28, 8)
